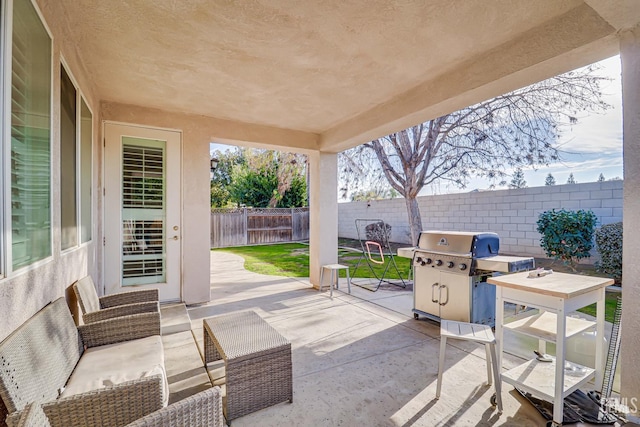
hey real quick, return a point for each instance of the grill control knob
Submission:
(439, 262)
(428, 260)
(450, 264)
(462, 266)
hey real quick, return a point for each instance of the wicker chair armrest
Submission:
(120, 329)
(203, 409)
(31, 416)
(131, 297)
(121, 310)
(116, 405)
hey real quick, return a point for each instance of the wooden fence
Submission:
(245, 226)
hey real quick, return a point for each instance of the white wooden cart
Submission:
(556, 295)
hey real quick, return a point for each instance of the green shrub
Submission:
(609, 245)
(567, 235)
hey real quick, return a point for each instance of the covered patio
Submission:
(356, 360)
(85, 82)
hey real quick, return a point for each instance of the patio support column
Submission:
(323, 212)
(630, 339)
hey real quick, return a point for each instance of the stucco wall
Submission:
(510, 213)
(24, 293)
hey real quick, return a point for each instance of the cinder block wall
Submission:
(510, 213)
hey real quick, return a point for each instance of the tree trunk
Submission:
(415, 220)
(284, 184)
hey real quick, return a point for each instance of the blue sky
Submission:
(593, 145)
(596, 141)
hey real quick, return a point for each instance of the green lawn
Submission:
(610, 306)
(292, 260)
(286, 259)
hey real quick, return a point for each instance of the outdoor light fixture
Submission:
(214, 164)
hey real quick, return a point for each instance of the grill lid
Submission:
(461, 243)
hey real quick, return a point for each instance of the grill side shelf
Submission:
(505, 264)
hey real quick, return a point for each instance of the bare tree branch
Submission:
(512, 130)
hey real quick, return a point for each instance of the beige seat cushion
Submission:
(112, 364)
(85, 291)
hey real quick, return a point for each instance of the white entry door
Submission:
(142, 210)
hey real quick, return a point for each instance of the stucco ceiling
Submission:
(334, 68)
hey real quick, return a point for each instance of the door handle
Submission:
(441, 288)
(433, 292)
(175, 237)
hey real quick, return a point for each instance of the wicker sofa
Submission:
(106, 373)
(202, 410)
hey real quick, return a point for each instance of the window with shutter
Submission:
(143, 211)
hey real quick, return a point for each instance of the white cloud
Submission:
(595, 134)
(598, 133)
(584, 164)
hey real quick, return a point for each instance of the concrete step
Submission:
(185, 369)
(174, 318)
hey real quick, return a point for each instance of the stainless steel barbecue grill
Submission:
(450, 274)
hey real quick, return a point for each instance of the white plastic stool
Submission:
(334, 268)
(471, 332)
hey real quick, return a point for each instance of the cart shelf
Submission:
(537, 378)
(543, 326)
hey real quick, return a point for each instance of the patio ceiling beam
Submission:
(576, 38)
(210, 129)
(621, 14)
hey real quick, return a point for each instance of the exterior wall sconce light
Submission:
(214, 164)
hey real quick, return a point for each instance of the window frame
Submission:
(82, 99)
(64, 66)
(6, 28)
(6, 239)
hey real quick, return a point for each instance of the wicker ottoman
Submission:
(257, 361)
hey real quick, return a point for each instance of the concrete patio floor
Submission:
(358, 360)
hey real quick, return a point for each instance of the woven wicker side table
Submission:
(257, 361)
